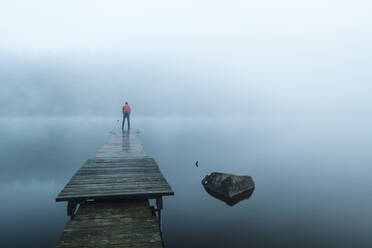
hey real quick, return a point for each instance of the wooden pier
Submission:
(112, 191)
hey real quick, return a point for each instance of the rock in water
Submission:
(228, 187)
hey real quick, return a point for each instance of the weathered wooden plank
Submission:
(108, 187)
(138, 192)
(114, 192)
(115, 177)
(143, 195)
(108, 173)
(114, 166)
(132, 175)
(112, 195)
(119, 160)
(114, 181)
(122, 184)
(127, 187)
(124, 169)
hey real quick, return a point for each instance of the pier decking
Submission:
(114, 224)
(112, 190)
(116, 177)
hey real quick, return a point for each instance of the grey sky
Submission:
(185, 57)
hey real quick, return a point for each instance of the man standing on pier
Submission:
(126, 113)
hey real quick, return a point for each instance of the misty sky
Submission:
(185, 57)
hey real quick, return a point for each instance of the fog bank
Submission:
(185, 58)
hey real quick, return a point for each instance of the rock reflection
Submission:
(231, 201)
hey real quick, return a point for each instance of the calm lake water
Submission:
(312, 175)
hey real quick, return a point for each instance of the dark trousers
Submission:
(125, 116)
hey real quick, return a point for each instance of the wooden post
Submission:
(159, 203)
(71, 207)
(159, 206)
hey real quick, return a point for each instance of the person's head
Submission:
(126, 103)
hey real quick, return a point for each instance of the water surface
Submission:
(312, 176)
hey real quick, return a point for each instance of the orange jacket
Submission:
(126, 109)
